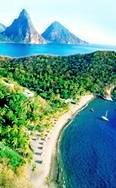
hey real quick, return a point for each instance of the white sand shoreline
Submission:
(49, 151)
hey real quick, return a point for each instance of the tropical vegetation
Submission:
(34, 92)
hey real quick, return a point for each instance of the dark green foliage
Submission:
(12, 158)
(67, 76)
(19, 112)
(14, 109)
(53, 78)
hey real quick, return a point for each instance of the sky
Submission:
(91, 20)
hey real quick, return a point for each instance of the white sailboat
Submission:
(105, 117)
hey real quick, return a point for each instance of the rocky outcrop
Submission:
(108, 92)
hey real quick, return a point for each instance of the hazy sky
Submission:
(91, 20)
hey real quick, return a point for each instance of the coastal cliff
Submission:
(108, 92)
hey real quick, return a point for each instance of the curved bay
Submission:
(88, 148)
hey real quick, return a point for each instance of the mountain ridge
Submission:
(58, 33)
(22, 30)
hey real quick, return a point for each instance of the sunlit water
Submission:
(20, 50)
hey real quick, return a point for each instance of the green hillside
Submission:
(68, 77)
(33, 94)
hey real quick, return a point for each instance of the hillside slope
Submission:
(35, 91)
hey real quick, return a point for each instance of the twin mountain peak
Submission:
(22, 30)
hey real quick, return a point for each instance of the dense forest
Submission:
(68, 77)
(33, 93)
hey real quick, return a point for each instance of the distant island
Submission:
(38, 96)
(22, 30)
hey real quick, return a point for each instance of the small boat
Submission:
(92, 110)
(105, 117)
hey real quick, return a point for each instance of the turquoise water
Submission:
(88, 148)
(19, 50)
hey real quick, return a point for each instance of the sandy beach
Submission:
(44, 160)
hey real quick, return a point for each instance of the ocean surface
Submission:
(87, 148)
(21, 50)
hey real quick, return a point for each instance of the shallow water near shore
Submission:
(87, 148)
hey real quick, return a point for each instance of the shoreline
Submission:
(44, 171)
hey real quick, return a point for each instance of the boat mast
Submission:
(106, 114)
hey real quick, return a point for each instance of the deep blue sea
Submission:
(20, 50)
(87, 148)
